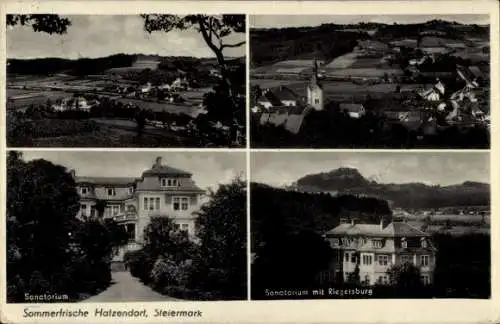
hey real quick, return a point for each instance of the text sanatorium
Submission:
(101, 312)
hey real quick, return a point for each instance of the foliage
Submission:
(222, 256)
(51, 24)
(49, 249)
(212, 268)
(463, 268)
(405, 278)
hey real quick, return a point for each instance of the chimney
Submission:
(72, 172)
(382, 223)
(158, 162)
(353, 221)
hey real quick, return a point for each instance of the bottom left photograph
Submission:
(126, 226)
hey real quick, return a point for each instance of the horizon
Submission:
(129, 54)
(311, 21)
(95, 36)
(432, 169)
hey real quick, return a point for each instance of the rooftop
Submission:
(159, 169)
(393, 229)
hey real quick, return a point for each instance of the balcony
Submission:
(125, 217)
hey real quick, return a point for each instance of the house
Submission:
(282, 107)
(181, 83)
(435, 93)
(146, 88)
(375, 248)
(160, 191)
(352, 109)
(76, 103)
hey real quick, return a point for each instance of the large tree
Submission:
(41, 206)
(51, 24)
(222, 231)
(214, 30)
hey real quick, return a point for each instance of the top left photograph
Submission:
(150, 80)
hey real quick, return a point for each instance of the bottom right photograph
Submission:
(333, 225)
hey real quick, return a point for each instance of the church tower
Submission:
(315, 96)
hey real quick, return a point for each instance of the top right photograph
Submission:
(370, 81)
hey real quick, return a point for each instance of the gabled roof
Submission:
(394, 229)
(165, 170)
(268, 96)
(284, 94)
(114, 181)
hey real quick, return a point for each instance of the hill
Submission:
(86, 66)
(329, 41)
(404, 195)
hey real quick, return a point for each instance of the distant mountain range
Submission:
(404, 195)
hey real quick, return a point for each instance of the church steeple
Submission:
(314, 79)
(315, 90)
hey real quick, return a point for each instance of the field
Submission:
(343, 61)
(97, 133)
(294, 63)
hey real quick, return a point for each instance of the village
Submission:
(169, 103)
(426, 88)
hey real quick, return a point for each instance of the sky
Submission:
(102, 35)
(209, 169)
(432, 168)
(281, 21)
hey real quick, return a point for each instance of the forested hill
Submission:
(328, 41)
(276, 211)
(86, 66)
(405, 195)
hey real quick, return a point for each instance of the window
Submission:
(353, 258)
(424, 260)
(404, 244)
(316, 101)
(367, 259)
(180, 203)
(423, 243)
(346, 257)
(377, 244)
(84, 190)
(131, 190)
(130, 228)
(169, 182)
(184, 227)
(383, 260)
(367, 279)
(335, 241)
(83, 209)
(405, 259)
(177, 226)
(111, 192)
(384, 279)
(426, 280)
(151, 203)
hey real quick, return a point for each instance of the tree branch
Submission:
(232, 45)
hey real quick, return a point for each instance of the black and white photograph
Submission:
(145, 80)
(353, 225)
(370, 81)
(104, 227)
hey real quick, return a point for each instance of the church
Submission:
(282, 107)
